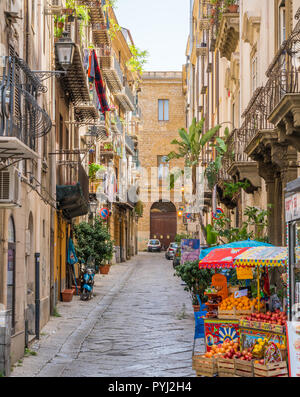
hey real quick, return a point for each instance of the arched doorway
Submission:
(11, 270)
(163, 222)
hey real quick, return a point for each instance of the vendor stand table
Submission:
(250, 331)
(218, 331)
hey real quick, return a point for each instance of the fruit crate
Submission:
(233, 314)
(205, 366)
(271, 370)
(244, 368)
(225, 367)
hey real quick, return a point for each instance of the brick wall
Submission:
(155, 136)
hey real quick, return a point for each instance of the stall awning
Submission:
(221, 258)
(262, 256)
(236, 244)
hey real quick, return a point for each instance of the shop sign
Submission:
(292, 207)
(293, 338)
(239, 294)
(244, 273)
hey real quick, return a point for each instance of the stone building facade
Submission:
(241, 71)
(157, 131)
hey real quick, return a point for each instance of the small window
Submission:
(282, 23)
(163, 110)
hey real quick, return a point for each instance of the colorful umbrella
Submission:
(262, 256)
(235, 244)
(221, 258)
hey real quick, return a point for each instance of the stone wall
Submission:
(155, 138)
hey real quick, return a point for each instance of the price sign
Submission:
(244, 273)
(239, 294)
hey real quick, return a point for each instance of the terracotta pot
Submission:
(233, 8)
(60, 25)
(196, 308)
(67, 295)
(104, 269)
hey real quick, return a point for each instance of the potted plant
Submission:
(67, 295)
(94, 240)
(196, 281)
(93, 169)
(231, 5)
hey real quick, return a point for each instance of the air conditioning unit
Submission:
(10, 185)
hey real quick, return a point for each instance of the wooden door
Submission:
(163, 226)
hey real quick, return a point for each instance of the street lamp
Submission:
(93, 206)
(65, 49)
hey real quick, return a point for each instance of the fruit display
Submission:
(259, 347)
(242, 303)
(221, 350)
(276, 317)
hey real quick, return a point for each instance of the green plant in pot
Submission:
(93, 241)
(93, 169)
(196, 280)
(231, 5)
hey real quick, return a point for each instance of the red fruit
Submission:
(243, 358)
(262, 361)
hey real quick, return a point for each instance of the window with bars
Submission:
(163, 110)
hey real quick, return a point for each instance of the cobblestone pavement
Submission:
(140, 323)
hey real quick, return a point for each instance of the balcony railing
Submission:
(111, 69)
(129, 143)
(126, 98)
(22, 117)
(283, 72)
(116, 124)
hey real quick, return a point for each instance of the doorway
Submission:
(163, 222)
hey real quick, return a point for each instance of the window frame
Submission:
(163, 101)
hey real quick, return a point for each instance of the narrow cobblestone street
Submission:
(140, 323)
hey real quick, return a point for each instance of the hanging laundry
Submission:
(99, 84)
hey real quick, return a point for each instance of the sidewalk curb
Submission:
(66, 353)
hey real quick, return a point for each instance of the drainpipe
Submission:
(37, 294)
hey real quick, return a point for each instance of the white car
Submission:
(154, 245)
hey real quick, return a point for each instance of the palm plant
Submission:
(189, 148)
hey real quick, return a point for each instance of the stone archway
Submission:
(163, 222)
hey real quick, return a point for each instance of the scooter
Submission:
(87, 283)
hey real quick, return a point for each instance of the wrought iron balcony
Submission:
(126, 98)
(72, 191)
(237, 163)
(95, 10)
(23, 120)
(283, 89)
(100, 31)
(116, 124)
(111, 69)
(89, 111)
(129, 143)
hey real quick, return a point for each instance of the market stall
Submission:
(244, 339)
(220, 325)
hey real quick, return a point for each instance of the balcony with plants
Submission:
(116, 123)
(97, 174)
